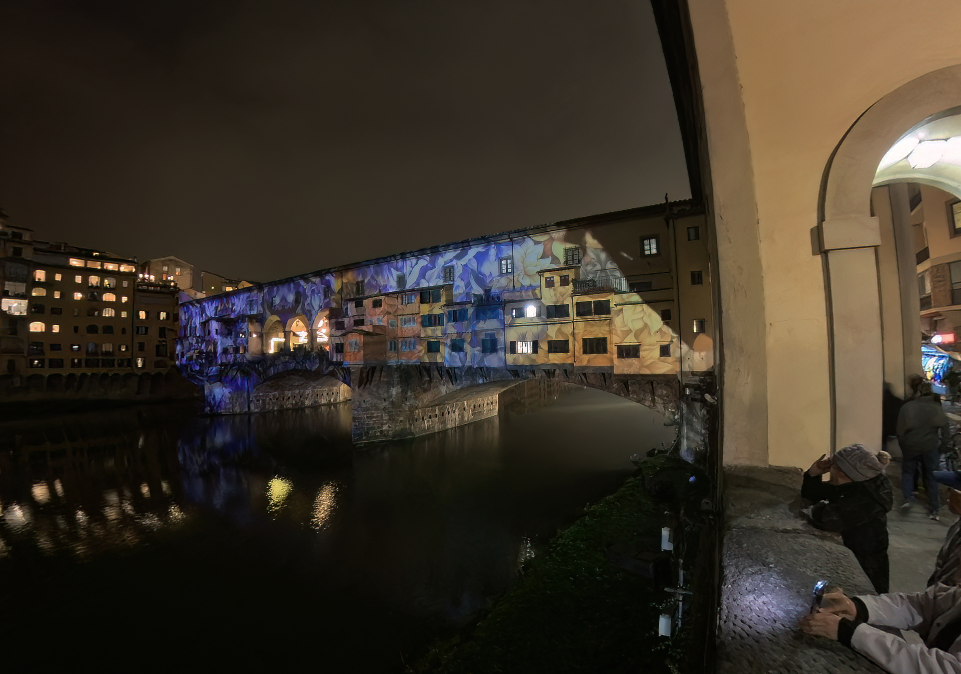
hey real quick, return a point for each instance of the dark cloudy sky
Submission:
(261, 139)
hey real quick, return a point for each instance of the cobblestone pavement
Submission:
(771, 560)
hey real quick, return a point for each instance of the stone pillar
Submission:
(850, 248)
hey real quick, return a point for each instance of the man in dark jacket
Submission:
(923, 433)
(855, 504)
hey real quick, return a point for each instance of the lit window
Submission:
(55, 327)
(74, 262)
(78, 296)
(142, 315)
(162, 315)
(93, 264)
(37, 326)
(530, 311)
(125, 283)
(78, 279)
(700, 325)
(39, 292)
(507, 265)
(128, 268)
(122, 347)
(111, 266)
(94, 281)
(227, 289)
(123, 299)
(177, 271)
(649, 246)
(109, 297)
(140, 362)
(56, 294)
(14, 307)
(123, 314)
(525, 347)
(39, 275)
(108, 312)
(165, 267)
(57, 277)
(110, 282)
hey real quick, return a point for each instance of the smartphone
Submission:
(817, 594)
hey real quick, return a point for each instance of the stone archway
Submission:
(297, 333)
(273, 336)
(849, 236)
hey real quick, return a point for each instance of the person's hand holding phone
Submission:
(839, 604)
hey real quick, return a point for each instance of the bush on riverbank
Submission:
(571, 609)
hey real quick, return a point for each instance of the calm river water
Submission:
(152, 537)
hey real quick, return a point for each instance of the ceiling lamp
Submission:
(899, 151)
(927, 153)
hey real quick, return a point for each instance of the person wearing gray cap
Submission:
(855, 504)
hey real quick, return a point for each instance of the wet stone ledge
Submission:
(770, 562)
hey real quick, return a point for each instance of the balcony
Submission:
(600, 284)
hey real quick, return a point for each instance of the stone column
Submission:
(850, 248)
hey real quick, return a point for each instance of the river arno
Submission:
(151, 537)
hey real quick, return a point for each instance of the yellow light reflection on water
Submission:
(40, 492)
(278, 489)
(324, 505)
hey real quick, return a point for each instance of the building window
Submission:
(954, 270)
(665, 314)
(165, 268)
(358, 322)
(140, 362)
(123, 299)
(109, 297)
(56, 310)
(640, 286)
(93, 282)
(38, 308)
(93, 264)
(110, 282)
(38, 292)
(142, 330)
(93, 296)
(122, 348)
(141, 346)
(39, 275)
(433, 346)
(428, 296)
(376, 304)
(55, 327)
(56, 363)
(693, 233)
(449, 274)
(531, 311)
(595, 308)
(408, 298)
(700, 325)
(359, 288)
(628, 350)
(558, 346)
(358, 304)
(37, 326)
(591, 345)
(572, 256)
(78, 296)
(36, 362)
(558, 311)
(649, 246)
(548, 281)
(57, 277)
(697, 278)
(408, 321)
(106, 348)
(392, 345)
(143, 315)
(74, 262)
(75, 348)
(402, 282)
(56, 294)
(489, 343)
(338, 347)
(56, 347)
(177, 271)
(457, 346)
(93, 330)
(517, 312)
(123, 314)
(78, 279)
(565, 280)
(431, 320)
(163, 315)
(17, 251)
(457, 315)
(507, 265)
(353, 345)
(523, 347)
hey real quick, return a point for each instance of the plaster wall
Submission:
(783, 83)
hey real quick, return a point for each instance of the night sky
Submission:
(264, 139)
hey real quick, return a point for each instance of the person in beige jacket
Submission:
(926, 634)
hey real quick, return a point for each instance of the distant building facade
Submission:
(192, 281)
(68, 310)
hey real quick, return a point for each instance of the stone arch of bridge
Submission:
(849, 239)
(273, 335)
(297, 333)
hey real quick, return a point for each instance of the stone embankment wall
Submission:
(293, 390)
(95, 387)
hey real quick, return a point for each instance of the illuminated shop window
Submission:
(78, 296)
(39, 292)
(108, 312)
(39, 275)
(37, 326)
(109, 297)
(74, 262)
(628, 350)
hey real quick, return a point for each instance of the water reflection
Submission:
(266, 515)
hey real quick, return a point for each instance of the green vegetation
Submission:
(571, 609)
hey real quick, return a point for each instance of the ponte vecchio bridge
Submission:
(428, 339)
